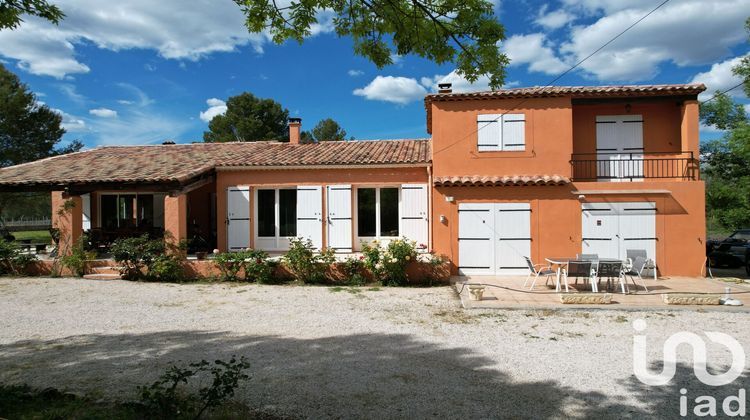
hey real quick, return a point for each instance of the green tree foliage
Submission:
(463, 32)
(725, 160)
(28, 131)
(249, 118)
(12, 10)
(326, 130)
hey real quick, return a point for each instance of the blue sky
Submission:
(139, 72)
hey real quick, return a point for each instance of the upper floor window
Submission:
(498, 132)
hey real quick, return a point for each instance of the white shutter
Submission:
(238, 218)
(86, 210)
(638, 228)
(414, 224)
(310, 214)
(476, 253)
(513, 237)
(514, 132)
(631, 140)
(340, 217)
(489, 132)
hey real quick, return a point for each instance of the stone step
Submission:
(105, 270)
(102, 277)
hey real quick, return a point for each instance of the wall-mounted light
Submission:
(449, 198)
(581, 197)
(628, 107)
(443, 219)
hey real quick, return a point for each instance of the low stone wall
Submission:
(417, 272)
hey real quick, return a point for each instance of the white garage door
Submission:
(611, 229)
(493, 238)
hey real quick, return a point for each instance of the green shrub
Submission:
(230, 264)
(166, 267)
(389, 264)
(76, 260)
(12, 260)
(307, 265)
(354, 270)
(165, 398)
(136, 254)
(258, 267)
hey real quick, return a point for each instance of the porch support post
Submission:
(175, 218)
(689, 127)
(67, 217)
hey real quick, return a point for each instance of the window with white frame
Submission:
(277, 213)
(378, 212)
(501, 132)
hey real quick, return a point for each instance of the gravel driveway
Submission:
(344, 353)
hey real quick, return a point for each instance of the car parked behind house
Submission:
(734, 251)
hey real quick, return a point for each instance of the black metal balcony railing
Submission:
(634, 166)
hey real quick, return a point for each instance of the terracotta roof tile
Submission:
(575, 92)
(181, 162)
(496, 181)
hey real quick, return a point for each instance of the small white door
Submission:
(238, 218)
(340, 217)
(600, 227)
(86, 210)
(310, 214)
(512, 238)
(414, 223)
(476, 253)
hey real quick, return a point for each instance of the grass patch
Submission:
(33, 235)
(352, 290)
(455, 317)
(621, 319)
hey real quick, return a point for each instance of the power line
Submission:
(717, 94)
(561, 74)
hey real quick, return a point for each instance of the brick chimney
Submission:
(295, 127)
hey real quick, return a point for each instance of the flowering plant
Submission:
(388, 263)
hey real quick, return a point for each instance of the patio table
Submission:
(559, 262)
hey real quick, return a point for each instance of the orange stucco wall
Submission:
(69, 222)
(549, 138)
(556, 219)
(322, 177)
(556, 128)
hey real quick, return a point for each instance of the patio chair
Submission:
(578, 269)
(649, 263)
(611, 270)
(537, 270)
(635, 270)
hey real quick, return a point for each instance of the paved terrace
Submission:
(507, 292)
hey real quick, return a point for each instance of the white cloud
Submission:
(554, 19)
(71, 123)
(103, 112)
(720, 78)
(534, 50)
(459, 83)
(167, 26)
(689, 32)
(137, 127)
(72, 94)
(215, 107)
(355, 73)
(398, 90)
(141, 98)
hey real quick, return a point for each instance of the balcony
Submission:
(634, 167)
